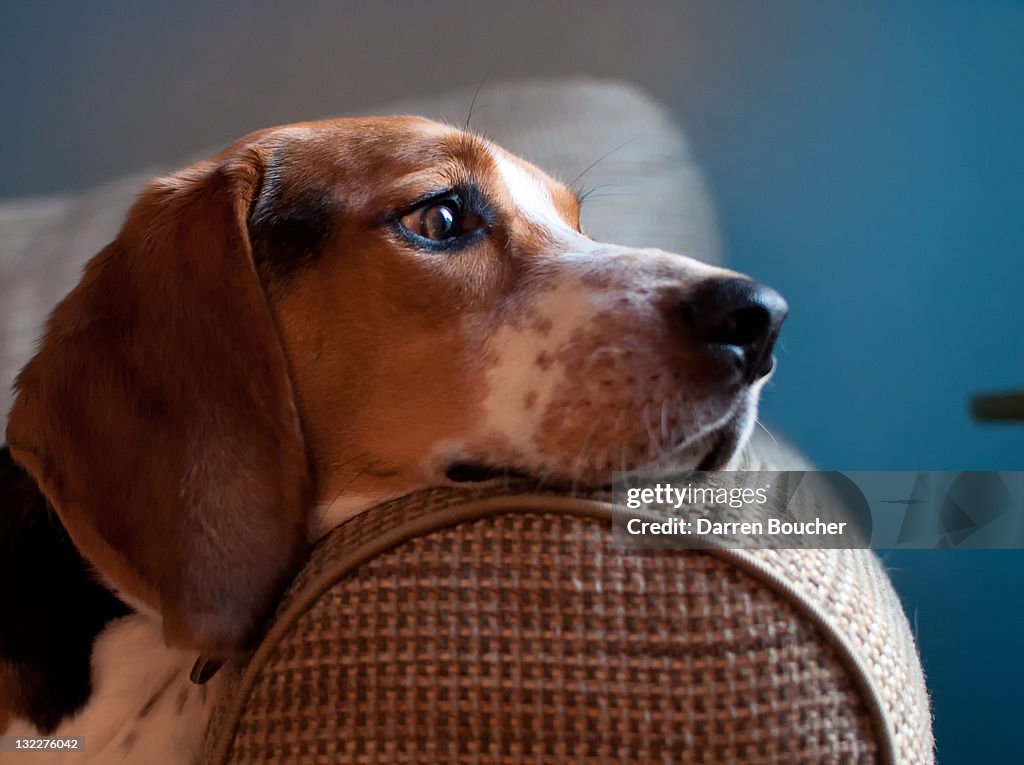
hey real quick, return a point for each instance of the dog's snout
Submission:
(737, 318)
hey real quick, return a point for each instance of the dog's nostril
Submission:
(739, 316)
(743, 327)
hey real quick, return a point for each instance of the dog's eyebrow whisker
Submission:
(582, 195)
(476, 93)
(602, 158)
(609, 196)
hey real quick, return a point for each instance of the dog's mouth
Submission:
(720, 448)
(469, 472)
(478, 472)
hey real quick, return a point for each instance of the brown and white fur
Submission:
(274, 342)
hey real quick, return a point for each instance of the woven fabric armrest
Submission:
(453, 626)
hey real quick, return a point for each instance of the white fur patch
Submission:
(516, 374)
(143, 708)
(530, 196)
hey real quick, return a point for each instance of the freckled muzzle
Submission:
(617, 358)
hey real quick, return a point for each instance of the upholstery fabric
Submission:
(503, 626)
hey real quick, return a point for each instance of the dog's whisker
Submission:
(602, 158)
(601, 350)
(359, 474)
(583, 195)
(476, 93)
(345, 463)
(581, 457)
(653, 445)
(325, 508)
(542, 478)
(615, 195)
(765, 429)
(623, 463)
(700, 433)
(666, 440)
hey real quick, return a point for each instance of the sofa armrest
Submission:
(449, 625)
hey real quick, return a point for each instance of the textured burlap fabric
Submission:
(493, 626)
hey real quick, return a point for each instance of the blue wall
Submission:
(870, 164)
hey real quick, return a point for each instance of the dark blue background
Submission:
(875, 175)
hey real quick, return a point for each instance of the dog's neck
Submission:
(54, 606)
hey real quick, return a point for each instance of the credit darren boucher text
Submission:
(667, 495)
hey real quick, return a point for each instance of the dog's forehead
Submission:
(402, 153)
(386, 147)
(535, 194)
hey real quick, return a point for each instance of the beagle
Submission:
(321, 317)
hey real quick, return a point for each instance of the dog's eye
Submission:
(440, 221)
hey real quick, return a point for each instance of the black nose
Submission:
(738, 319)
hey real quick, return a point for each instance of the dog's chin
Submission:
(723, 446)
(715, 450)
(711, 451)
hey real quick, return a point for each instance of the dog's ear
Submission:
(158, 416)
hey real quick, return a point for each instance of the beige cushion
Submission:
(647, 191)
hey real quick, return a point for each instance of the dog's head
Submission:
(354, 309)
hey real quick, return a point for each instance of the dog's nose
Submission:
(737, 319)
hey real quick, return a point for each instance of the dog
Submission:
(323, 316)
